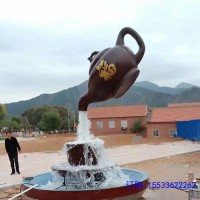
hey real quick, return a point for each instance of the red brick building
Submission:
(162, 121)
(116, 119)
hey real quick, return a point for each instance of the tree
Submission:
(3, 112)
(10, 124)
(3, 125)
(6, 123)
(50, 121)
(16, 123)
(34, 115)
(17, 119)
(3, 117)
(13, 125)
(137, 126)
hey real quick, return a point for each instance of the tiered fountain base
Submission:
(88, 175)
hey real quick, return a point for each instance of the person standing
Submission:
(11, 146)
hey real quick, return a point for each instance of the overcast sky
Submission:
(44, 44)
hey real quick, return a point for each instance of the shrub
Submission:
(137, 126)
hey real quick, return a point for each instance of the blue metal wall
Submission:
(189, 130)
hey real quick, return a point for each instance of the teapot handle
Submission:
(136, 36)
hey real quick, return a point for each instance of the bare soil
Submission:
(55, 142)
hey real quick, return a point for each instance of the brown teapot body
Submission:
(112, 71)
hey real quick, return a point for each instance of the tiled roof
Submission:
(174, 114)
(117, 111)
(183, 104)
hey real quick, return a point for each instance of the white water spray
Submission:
(84, 126)
(105, 173)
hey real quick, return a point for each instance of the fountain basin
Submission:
(122, 192)
(83, 176)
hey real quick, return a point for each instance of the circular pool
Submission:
(132, 190)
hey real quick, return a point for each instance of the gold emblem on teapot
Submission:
(106, 71)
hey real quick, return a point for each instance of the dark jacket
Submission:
(12, 145)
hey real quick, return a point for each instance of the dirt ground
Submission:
(170, 169)
(55, 142)
(174, 168)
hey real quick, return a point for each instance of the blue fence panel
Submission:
(189, 130)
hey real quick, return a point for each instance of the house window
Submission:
(99, 124)
(156, 133)
(124, 124)
(111, 124)
(172, 133)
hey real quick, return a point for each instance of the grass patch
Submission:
(2, 138)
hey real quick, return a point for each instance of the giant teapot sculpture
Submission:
(113, 70)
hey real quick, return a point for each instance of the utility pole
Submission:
(68, 119)
(74, 121)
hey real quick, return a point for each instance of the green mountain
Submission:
(66, 98)
(140, 93)
(185, 85)
(189, 95)
(167, 90)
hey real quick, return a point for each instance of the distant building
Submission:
(162, 121)
(116, 119)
